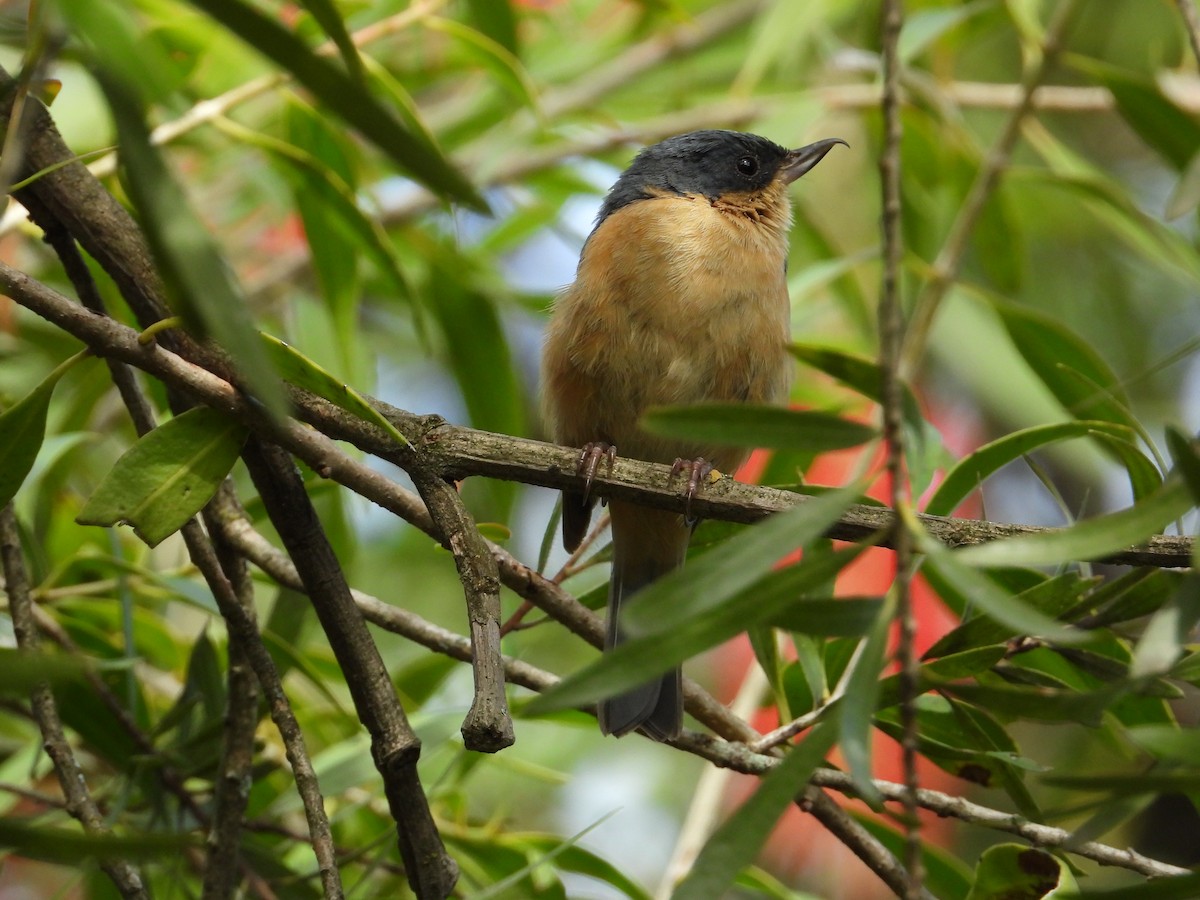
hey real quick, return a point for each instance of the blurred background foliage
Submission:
(1084, 254)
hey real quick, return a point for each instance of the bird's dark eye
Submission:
(747, 166)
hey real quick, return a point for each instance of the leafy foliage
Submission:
(323, 171)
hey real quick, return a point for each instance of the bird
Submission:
(680, 297)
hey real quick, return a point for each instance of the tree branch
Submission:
(456, 452)
(127, 880)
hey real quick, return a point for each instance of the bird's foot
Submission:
(590, 457)
(698, 471)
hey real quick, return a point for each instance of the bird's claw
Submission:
(590, 457)
(698, 470)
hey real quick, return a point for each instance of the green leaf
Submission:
(650, 653)
(1018, 872)
(477, 348)
(1168, 742)
(496, 19)
(1185, 451)
(68, 846)
(1075, 373)
(991, 598)
(1052, 597)
(747, 425)
(330, 20)
(923, 27)
(1148, 111)
(741, 837)
(973, 469)
(1090, 539)
(730, 568)
(21, 671)
(1163, 642)
(497, 59)
(344, 98)
(842, 617)
(23, 428)
(859, 701)
(946, 876)
(303, 372)
(1039, 703)
(167, 476)
(205, 293)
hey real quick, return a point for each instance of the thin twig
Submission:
(891, 337)
(127, 879)
(231, 794)
(946, 266)
(243, 630)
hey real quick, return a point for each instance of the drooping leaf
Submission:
(990, 597)
(301, 371)
(1053, 351)
(331, 21)
(856, 722)
(22, 430)
(344, 98)
(650, 653)
(203, 288)
(1052, 598)
(973, 469)
(167, 476)
(495, 57)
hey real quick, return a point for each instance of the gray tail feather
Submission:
(655, 707)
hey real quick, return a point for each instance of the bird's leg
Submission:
(590, 457)
(697, 471)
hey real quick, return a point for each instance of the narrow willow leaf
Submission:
(493, 56)
(859, 702)
(1090, 539)
(301, 371)
(22, 671)
(1168, 742)
(342, 97)
(1016, 870)
(68, 846)
(740, 838)
(992, 599)
(23, 428)
(1185, 451)
(706, 583)
(324, 189)
(973, 469)
(1053, 597)
(843, 617)
(746, 425)
(1163, 642)
(204, 290)
(167, 476)
(331, 21)
(650, 654)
